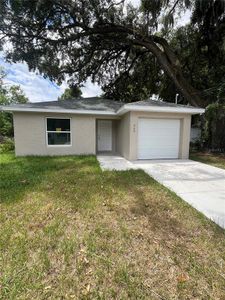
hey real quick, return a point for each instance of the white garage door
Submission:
(158, 138)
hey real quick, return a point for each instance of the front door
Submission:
(104, 135)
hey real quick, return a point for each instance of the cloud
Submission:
(184, 19)
(36, 87)
(135, 3)
(90, 89)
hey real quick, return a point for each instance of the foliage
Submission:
(7, 145)
(71, 93)
(215, 127)
(201, 48)
(9, 95)
(221, 92)
(138, 85)
(102, 39)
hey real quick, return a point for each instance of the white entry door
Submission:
(158, 138)
(104, 134)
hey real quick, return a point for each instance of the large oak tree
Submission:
(104, 39)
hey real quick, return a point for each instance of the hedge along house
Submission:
(139, 130)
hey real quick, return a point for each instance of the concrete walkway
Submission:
(201, 185)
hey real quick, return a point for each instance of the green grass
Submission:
(70, 231)
(216, 160)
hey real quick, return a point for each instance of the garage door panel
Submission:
(158, 138)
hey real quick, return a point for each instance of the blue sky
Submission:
(36, 87)
(39, 89)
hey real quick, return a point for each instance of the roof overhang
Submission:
(182, 110)
(126, 108)
(58, 111)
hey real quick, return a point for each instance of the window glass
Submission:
(58, 131)
(58, 124)
(55, 138)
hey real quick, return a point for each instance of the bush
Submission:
(215, 127)
(7, 145)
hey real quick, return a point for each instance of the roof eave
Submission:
(181, 110)
(58, 111)
(126, 108)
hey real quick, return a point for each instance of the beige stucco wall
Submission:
(123, 136)
(128, 132)
(30, 134)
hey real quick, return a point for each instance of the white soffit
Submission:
(126, 108)
(183, 110)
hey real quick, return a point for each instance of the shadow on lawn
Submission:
(20, 175)
(77, 181)
(84, 186)
(170, 216)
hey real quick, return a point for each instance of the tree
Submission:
(9, 95)
(97, 38)
(71, 93)
(202, 59)
(204, 65)
(137, 85)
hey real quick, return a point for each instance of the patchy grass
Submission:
(216, 160)
(70, 231)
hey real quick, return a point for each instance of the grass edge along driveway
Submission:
(213, 159)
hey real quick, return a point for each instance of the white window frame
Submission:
(46, 130)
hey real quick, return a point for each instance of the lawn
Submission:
(216, 160)
(70, 231)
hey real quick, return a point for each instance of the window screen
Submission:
(58, 124)
(58, 131)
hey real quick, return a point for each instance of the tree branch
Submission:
(174, 6)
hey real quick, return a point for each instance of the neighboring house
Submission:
(140, 130)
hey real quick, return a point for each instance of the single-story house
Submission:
(139, 130)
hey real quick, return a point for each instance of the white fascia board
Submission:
(182, 110)
(60, 111)
(126, 108)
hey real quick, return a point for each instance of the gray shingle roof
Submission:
(158, 103)
(93, 103)
(97, 104)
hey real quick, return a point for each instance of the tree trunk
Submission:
(171, 67)
(166, 58)
(186, 89)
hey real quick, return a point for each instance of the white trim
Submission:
(183, 110)
(51, 131)
(60, 111)
(124, 109)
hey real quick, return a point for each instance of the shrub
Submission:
(215, 127)
(7, 145)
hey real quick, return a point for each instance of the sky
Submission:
(37, 88)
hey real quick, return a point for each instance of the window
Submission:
(58, 132)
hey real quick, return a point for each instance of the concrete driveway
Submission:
(201, 185)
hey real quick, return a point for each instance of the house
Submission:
(140, 130)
